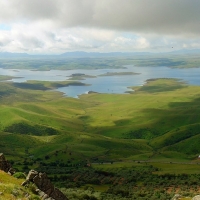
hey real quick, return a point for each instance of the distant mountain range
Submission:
(8, 54)
(82, 54)
(97, 54)
(186, 51)
(75, 54)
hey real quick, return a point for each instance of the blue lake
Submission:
(105, 84)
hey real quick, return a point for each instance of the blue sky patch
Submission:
(5, 27)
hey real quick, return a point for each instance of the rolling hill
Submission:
(155, 117)
(154, 128)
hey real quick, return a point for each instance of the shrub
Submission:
(19, 175)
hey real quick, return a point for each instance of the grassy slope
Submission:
(158, 117)
(159, 112)
(144, 109)
(11, 188)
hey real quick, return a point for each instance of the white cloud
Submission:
(152, 16)
(51, 26)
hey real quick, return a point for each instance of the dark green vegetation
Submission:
(136, 181)
(158, 126)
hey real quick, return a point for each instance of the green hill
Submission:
(162, 115)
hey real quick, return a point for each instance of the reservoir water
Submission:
(105, 84)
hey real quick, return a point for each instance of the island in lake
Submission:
(80, 76)
(119, 73)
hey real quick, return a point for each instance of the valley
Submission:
(154, 128)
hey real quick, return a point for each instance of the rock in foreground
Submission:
(46, 188)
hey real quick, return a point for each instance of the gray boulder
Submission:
(196, 197)
(46, 188)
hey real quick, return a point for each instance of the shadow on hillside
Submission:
(27, 129)
(30, 86)
(181, 120)
(175, 126)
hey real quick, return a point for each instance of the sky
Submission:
(58, 26)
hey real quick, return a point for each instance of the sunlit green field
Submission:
(159, 117)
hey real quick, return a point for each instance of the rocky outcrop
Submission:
(196, 197)
(176, 197)
(46, 188)
(5, 165)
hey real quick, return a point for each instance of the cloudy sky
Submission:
(57, 26)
